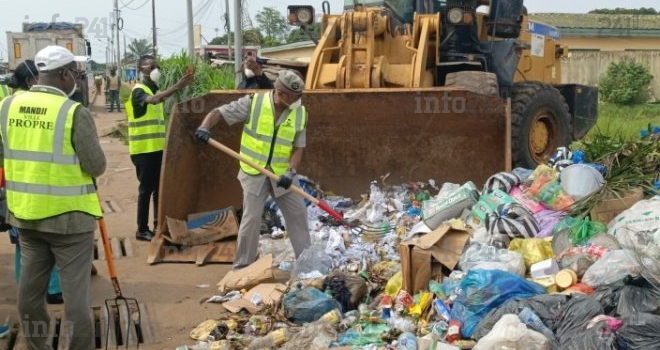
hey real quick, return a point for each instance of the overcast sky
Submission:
(171, 16)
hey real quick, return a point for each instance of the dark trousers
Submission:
(114, 99)
(147, 168)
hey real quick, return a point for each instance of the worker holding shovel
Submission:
(273, 138)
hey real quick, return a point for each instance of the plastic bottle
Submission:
(272, 340)
(407, 341)
(528, 317)
(454, 331)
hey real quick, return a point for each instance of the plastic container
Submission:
(544, 268)
(454, 331)
(547, 282)
(566, 278)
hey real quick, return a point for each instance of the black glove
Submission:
(202, 134)
(286, 179)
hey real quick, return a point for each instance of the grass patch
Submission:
(625, 121)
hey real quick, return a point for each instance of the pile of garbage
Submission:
(510, 265)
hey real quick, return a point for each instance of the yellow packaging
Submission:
(548, 283)
(424, 298)
(333, 317)
(393, 286)
(566, 278)
(533, 250)
(280, 336)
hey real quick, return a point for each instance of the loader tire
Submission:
(540, 122)
(475, 81)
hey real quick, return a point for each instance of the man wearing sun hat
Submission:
(275, 124)
(51, 155)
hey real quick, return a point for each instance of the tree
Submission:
(298, 34)
(137, 48)
(624, 11)
(250, 37)
(273, 24)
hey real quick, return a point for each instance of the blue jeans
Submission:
(53, 283)
(113, 95)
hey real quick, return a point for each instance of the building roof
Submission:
(582, 24)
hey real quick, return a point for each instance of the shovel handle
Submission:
(321, 204)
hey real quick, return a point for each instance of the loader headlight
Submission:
(455, 16)
(304, 15)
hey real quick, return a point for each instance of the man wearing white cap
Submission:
(275, 124)
(51, 155)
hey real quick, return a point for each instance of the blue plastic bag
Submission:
(308, 305)
(484, 290)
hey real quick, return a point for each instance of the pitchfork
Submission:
(132, 305)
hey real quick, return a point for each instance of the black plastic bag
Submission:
(548, 307)
(629, 297)
(599, 337)
(575, 316)
(640, 332)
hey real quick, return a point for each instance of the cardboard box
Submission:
(443, 245)
(609, 208)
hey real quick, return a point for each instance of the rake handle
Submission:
(319, 203)
(107, 249)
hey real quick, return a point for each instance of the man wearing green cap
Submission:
(274, 136)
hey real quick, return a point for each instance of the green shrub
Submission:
(625, 83)
(207, 78)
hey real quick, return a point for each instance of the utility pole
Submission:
(153, 19)
(228, 27)
(191, 39)
(124, 35)
(237, 41)
(117, 26)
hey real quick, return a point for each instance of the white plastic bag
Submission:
(612, 267)
(511, 334)
(485, 257)
(644, 217)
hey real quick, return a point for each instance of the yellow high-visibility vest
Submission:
(147, 133)
(264, 143)
(43, 173)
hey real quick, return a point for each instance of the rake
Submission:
(112, 306)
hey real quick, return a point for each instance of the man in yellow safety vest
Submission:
(274, 136)
(146, 137)
(51, 156)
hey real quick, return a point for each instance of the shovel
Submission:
(319, 203)
(112, 306)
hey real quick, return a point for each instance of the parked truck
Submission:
(35, 36)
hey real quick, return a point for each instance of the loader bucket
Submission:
(353, 137)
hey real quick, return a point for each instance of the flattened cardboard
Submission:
(235, 306)
(202, 228)
(444, 245)
(271, 293)
(260, 271)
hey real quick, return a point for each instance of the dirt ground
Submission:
(169, 291)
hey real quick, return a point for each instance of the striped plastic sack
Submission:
(501, 181)
(513, 220)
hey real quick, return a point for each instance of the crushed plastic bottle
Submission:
(407, 341)
(272, 340)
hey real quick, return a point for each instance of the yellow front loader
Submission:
(451, 90)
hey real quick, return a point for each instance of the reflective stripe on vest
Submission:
(4, 91)
(43, 173)
(147, 133)
(258, 133)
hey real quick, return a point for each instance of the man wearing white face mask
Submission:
(274, 136)
(51, 155)
(253, 76)
(146, 137)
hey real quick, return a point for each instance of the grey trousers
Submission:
(255, 193)
(72, 255)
